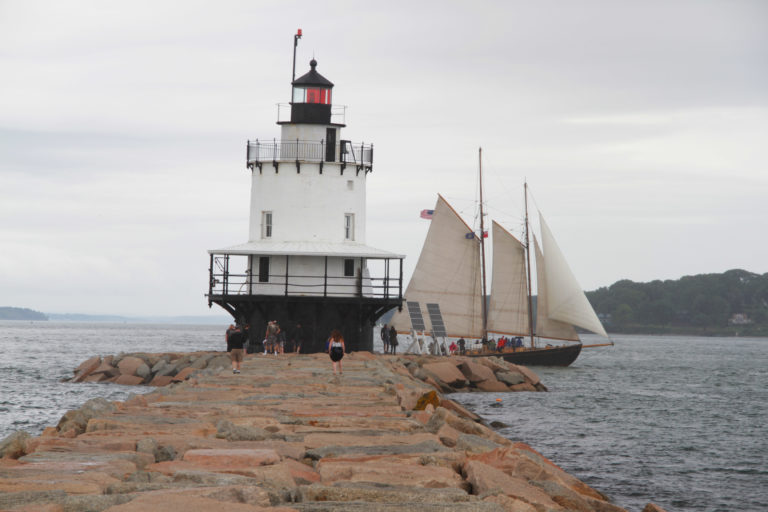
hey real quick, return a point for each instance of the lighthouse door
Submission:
(330, 148)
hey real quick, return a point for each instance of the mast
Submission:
(296, 38)
(528, 261)
(482, 245)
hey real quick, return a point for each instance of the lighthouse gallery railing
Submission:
(308, 151)
(384, 283)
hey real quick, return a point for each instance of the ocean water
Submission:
(680, 421)
(35, 356)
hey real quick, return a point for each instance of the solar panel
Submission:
(417, 320)
(436, 319)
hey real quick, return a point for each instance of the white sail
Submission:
(448, 274)
(566, 301)
(546, 326)
(508, 312)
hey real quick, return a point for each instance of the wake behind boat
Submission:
(449, 280)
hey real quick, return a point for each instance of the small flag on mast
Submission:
(427, 214)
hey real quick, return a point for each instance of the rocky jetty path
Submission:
(288, 435)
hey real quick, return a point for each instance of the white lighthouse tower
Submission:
(306, 260)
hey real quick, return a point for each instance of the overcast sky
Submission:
(641, 127)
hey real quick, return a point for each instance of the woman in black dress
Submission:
(336, 349)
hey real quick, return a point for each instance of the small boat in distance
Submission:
(449, 280)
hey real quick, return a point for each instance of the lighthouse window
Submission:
(349, 226)
(313, 95)
(266, 224)
(264, 269)
(349, 267)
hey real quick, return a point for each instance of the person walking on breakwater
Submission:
(271, 336)
(298, 337)
(385, 338)
(336, 349)
(393, 339)
(235, 340)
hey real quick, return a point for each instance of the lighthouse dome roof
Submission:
(313, 77)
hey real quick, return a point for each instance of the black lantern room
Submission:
(311, 102)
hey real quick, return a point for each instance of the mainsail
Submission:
(447, 273)
(566, 301)
(508, 312)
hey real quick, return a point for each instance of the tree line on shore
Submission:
(730, 303)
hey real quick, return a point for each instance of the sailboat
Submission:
(450, 278)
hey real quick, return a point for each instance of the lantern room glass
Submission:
(317, 95)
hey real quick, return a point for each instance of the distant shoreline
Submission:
(27, 315)
(747, 331)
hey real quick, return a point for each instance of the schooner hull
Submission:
(562, 355)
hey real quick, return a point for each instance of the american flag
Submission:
(427, 214)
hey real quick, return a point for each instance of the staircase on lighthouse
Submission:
(306, 260)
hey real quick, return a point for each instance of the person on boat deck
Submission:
(452, 348)
(385, 338)
(336, 349)
(500, 345)
(462, 346)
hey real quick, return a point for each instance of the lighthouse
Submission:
(306, 260)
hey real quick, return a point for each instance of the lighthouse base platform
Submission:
(318, 316)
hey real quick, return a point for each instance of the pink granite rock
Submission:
(510, 504)
(492, 385)
(106, 367)
(651, 507)
(237, 457)
(302, 474)
(89, 364)
(95, 377)
(163, 501)
(529, 375)
(525, 386)
(161, 380)
(183, 374)
(86, 368)
(522, 461)
(128, 380)
(495, 364)
(485, 478)
(129, 364)
(383, 470)
(447, 373)
(476, 372)
(459, 409)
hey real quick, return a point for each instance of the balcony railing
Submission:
(384, 283)
(301, 151)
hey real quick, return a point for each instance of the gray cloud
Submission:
(640, 126)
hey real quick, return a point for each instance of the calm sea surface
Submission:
(680, 421)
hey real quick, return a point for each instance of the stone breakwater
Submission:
(286, 434)
(446, 374)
